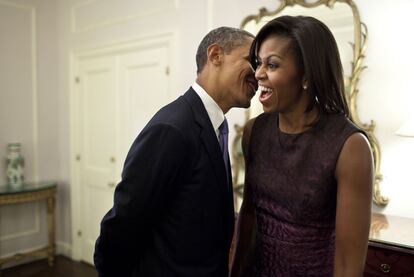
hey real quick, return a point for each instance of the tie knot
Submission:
(224, 127)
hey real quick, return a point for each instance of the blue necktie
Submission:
(223, 141)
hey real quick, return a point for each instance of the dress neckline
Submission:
(312, 128)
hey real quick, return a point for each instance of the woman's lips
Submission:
(265, 94)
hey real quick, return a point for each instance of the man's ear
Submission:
(215, 54)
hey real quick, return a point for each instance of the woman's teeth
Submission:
(265, 89)
(265, 93)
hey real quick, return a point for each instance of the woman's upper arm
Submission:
(354, 173)
(247, 131)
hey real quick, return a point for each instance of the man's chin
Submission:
(246, 105)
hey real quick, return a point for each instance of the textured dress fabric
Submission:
(291, 178)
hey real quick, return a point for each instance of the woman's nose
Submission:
(260, 73)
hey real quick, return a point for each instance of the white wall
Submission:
(28, 111)
(71, 25)
(387, 95)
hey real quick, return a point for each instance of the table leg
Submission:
(51, 228)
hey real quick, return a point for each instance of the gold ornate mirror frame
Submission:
(359, 47)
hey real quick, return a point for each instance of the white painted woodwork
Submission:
(145, 87)
(90, 15)
(97, 94)
(22, 227)
(115, 93)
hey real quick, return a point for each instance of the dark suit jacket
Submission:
(173, 210)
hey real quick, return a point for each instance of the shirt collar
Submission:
(214, 112)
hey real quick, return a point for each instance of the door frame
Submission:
(167, 40)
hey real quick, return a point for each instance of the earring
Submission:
(305, 87)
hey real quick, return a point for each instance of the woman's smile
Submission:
(265, 93)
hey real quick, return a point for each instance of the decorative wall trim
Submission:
(125, 45)
(64, 248)
(32, 12)
(210, 15)
(35, 98)
(13, 263)
(75, 28)
(15, 5)
(29, 232)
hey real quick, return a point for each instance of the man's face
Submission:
(237, 81)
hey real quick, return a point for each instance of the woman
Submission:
(309, 169)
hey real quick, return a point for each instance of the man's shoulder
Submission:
(179, 113)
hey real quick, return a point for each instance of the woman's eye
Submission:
(272, 66)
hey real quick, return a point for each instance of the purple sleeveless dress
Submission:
(292, 181)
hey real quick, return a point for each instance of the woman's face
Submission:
(280, 81)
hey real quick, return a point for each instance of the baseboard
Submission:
(21, 260)
(64, 249)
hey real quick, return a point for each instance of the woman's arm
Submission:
(246, 220)
(354, 173)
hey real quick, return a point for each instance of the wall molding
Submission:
(32, 13)
(210, 15)
(35, 98)
(64, 248)
(15, 5)
(24, 260)
(29, 232)
(75, 28)
(126, 45)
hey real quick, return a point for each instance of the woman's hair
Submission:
(317, 58)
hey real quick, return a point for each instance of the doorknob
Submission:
(111, 185)
(112, 159)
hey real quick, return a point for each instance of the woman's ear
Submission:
(215, 54)
(305, 84)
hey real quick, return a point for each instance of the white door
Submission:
(144, 84)
(118, 94)
(97, 94)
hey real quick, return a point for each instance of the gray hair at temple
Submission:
(227, 38)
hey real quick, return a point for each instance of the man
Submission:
(173, 210)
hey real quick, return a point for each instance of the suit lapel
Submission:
(210, 142)
(208, 137)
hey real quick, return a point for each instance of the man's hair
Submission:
(317, 57)
(226, 37)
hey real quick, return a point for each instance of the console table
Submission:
(390, 246)
(32, 192)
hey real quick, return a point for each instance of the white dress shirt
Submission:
(214, 112)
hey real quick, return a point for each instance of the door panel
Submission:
(98, 145)
(118, 93)
(144, 82)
